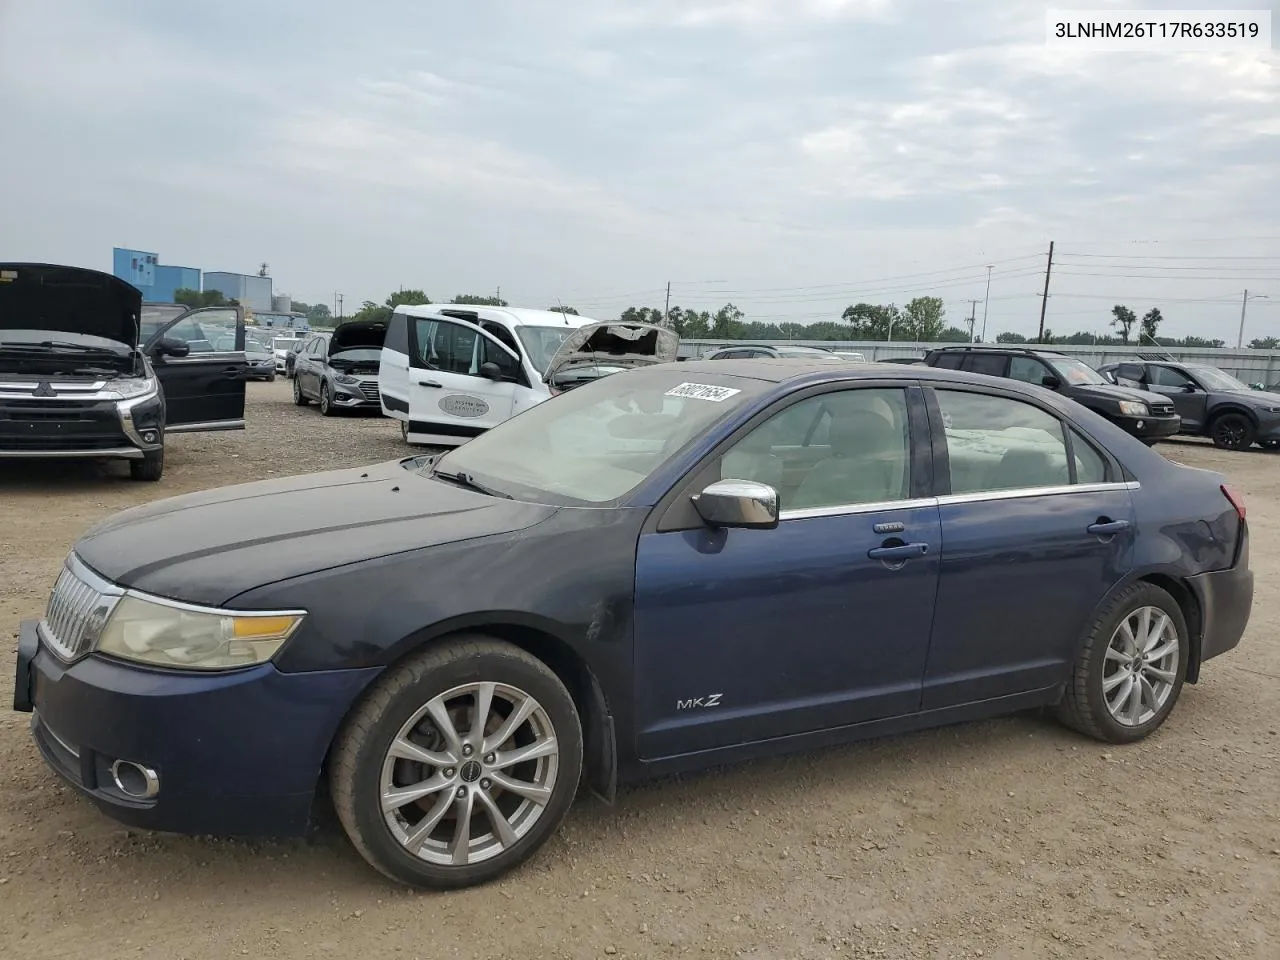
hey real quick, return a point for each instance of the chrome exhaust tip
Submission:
(134, 780)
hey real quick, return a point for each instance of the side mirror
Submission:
(1189, 388)
(168, 347)
(1050, 381)
(1130, 371)
(491, 371)
(738, 503)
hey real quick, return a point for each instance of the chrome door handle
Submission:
(906, 551)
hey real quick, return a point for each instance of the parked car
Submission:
(603, 349)
(853, 355)
(1148, 416)
(291, 354)
(85, 372)
(1209, 402)
(341, 373)
(653, 573)
(901, 360)
(261, 359)
(284, 344)
(755, 351)
(450, 372)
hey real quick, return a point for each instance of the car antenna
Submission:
(564, 317)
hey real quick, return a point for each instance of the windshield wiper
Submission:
(469, 482)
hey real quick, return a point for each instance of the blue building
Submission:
(158, 282)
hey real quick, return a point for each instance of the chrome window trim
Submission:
(221, 356)
(984, 496)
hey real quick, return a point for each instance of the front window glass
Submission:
(156, 315)
(598, 442)
(836, 449)
(1215, 379)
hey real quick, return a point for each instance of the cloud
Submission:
(604, 147)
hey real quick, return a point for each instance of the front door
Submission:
(450, 399)
(203, 390)
(1035, 533)
(1189, 398)
(749, 635)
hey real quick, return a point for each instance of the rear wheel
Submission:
(150, 467)
(298, 398)
(1232, 431)
(1130, 671)
(458, 765)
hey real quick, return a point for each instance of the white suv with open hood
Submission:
(449, 372)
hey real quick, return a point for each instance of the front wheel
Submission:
(1232, 431)
(458, 765)
(150, 467)
(326, 401)
(1130, 670)
(298, 398)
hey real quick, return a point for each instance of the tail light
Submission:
(1237, 501)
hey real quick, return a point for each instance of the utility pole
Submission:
(985, 298)
(1044, 300)
(893, 311)
(666, 311)
(973, 308)
(1243, 304)
(339, 298)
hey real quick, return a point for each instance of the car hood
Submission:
(615, 344)
(1259, 398)
(1107, 391)
(358, 333)
(208, 547)
(47, 296)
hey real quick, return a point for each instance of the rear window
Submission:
(948, 361)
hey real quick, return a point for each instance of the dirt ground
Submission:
(1006, 839)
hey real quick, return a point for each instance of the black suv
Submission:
(1209, 402)
(1148, 416)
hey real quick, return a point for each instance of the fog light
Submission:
(1140, 424)
(134, 780)
(149, 436)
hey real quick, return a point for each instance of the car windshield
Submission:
(598, 442)
(255, 349)
(1075, 371)
(803, 352)
(1211, 378)
(541, 343)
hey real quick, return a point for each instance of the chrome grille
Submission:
(1162, 408)
(77, 610)
(370, 389)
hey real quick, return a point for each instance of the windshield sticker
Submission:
(703, 391)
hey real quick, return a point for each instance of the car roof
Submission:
(510, 316)
(788, 369)
(1001, 348)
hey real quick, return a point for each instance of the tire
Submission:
(1085, 706)
(1232, 431)
(404, 431)
(271, 378)
(298, 398)
(150, 467)
(402, 703)
(326, 404)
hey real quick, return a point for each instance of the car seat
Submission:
(867, 463)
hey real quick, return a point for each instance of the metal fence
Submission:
(1251, 366)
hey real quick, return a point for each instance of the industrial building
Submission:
(159, 282)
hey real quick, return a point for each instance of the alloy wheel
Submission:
(1140, 668)
(324, 399)
(1231, 431)
(470, 774)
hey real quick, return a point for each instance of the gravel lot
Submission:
(1005, 839)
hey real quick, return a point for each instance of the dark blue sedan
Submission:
(658, 571)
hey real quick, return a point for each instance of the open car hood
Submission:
(49, 296)
(358, 333)
(615, 345)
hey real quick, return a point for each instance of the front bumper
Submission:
(1148, 428)
(235, 754)
(354, 396)
(38, 428)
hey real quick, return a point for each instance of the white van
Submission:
(448, 372)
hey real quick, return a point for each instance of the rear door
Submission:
(990, 364)
(1037, 527)
(450, 400)
(393, 368)
(203, 390)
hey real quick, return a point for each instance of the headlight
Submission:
(345, 378)
(1132, 408)
(192, 639)
(129, 389)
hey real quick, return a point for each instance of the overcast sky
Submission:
(792, 156)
